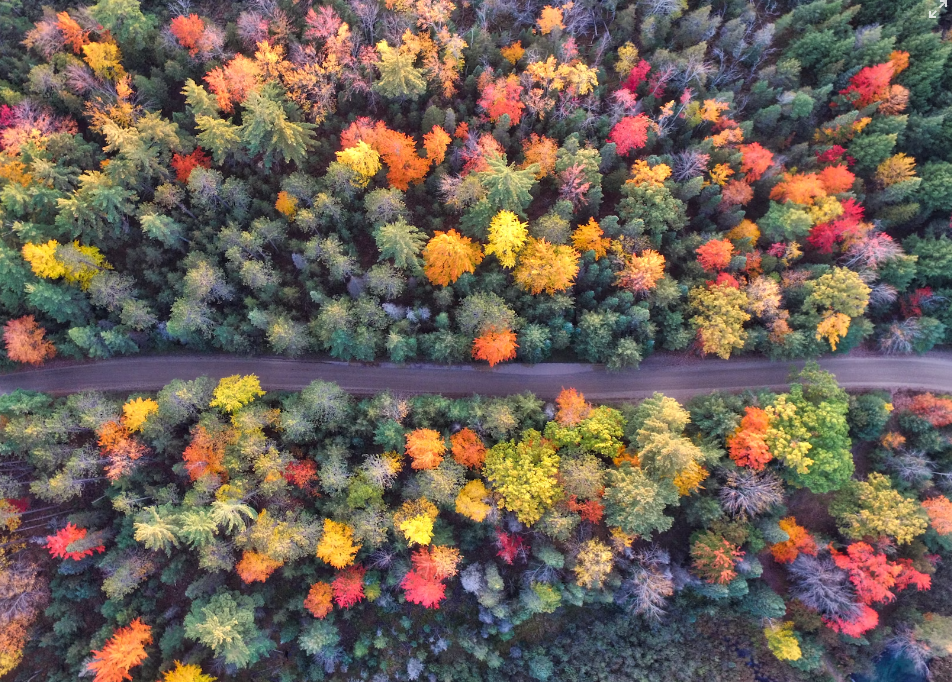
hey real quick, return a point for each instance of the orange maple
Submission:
(715, 254)
(233, 82)
(736, 193)
(468, 448)
(640, 274)
(121, 449)
(73, 33)
(204, 454)
(124, 650)
(448, 255)
(936, 411)
(501, 97)
(319, 601)
(542, 151)
(871, 84)
(59, 542)
(24, 340)
(799, 540)
(495, 346)
(746, 445)
(591, 237)
(435, 143)
(757, 159)
(398, 150)
(189, 31)
(572, 407)
(425, 448)
(837, 179)
(256, 567)
(423, 590)
(939, 510)
(800, 188)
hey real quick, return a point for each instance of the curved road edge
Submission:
(680, 379)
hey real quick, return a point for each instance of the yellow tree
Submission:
(507, 235)
(546, 267)
(234, 392)
(719, 317)
(448, 255)
(415, 520)
(471, 501)
(136, 412)
(337, 546)
(591, 237)
(363, 160)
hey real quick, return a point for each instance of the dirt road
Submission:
(681, 378)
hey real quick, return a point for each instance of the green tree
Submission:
(225, 623)
(873, 509)
(401, 242)
(635, 503)
(719, 317)
(124, 19)
(399, 78)
(507, 186)
(267, 129)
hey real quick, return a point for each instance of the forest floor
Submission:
(678, 376)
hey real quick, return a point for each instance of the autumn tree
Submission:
(782, 642)
(939, 510)
(468, 449)
(256, 567)
(714, 558)
(798, 541)
(630, 133)
(636, 503)
(756, 160)
(719, 317)
(471, 501)
(425, 447)
(746, 446)
(593, 564)
(25, 343)
(135, 413)
(336, 546)
(524, 474)
(234, 392)
(495, 346)
(640, 274)
(204, 454)
(715, 254)
(348, 586)
(870, 85)
(572, 407)
(936, 411)
(187, 673)
(415, 520)
(507, 235)
(873, 509)
(121, 449)
(363, 160)
(591, 237)
(189, 31)
(71, 536)
(448, 255)
(399, 78)
(545, 267)
(122, 652)
(319, 601)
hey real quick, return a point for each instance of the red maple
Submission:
(637, 76)
(184, 165)
(630, 133)
(301, 473)
(419, 589)
(348, 586)
(864, 622)
(590, 510)
(59, 543)
(870, 85)
(874, 576)
(756, 161)
(510, 546)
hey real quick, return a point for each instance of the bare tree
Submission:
(823, 587)
(750, 493)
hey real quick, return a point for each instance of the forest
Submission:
(215, 531)
(427, 180)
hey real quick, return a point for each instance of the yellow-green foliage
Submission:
(524, 474)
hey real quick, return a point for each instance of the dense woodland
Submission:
(214, 531)
(492, 180)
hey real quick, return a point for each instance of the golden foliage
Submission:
(640, 274)
(546, 267)
(337, 546)
(136, 412)
(471, 501)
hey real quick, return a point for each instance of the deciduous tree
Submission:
(124, 651)
(448, 255)
(24, 341)
(337, 546)
(495, 346)
(545, 267)
(426, 448)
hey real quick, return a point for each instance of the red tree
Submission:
(124, 650)
(348, 586)
(630, 133)
(301, 473)
(184, 165)
(874, 576)
(637, 76)
(59, 543)
(510, 546)
(25, 343)
(870, 85)
(419, 589)
(864, 622)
